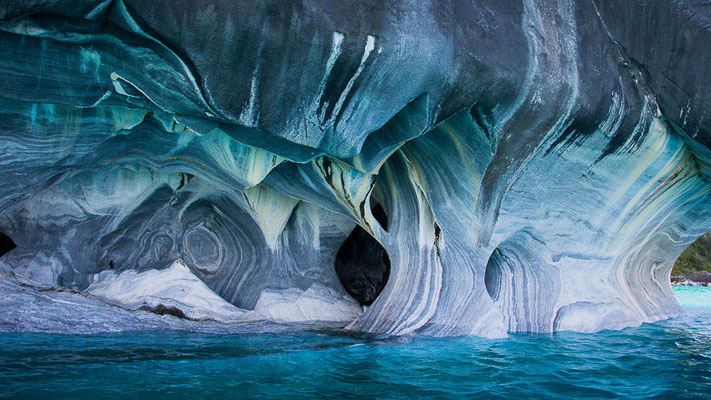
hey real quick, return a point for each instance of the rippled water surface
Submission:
(666, 360)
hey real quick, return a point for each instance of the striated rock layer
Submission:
(538, 165)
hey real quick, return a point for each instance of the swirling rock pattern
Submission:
(541, 164)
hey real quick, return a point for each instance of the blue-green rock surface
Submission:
(540, 165)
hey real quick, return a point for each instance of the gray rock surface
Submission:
(541, 164)
(701, 277)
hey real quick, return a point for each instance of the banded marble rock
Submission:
(396, 167)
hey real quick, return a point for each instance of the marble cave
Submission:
(392, 167)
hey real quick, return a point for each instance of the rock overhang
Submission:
(541, 165)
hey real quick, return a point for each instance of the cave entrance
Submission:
(692, 267)
(6, 244)
(522, 284)
(362, 264)
(493, 275)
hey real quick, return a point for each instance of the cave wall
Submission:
(540, 168)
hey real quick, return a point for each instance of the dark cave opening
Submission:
(6, 244)
(493, 275)
(380, 216)
(362, 264)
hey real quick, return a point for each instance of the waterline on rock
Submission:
(669, 359)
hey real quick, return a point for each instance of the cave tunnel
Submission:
(493, 275)
(6, 244)
(362, 264)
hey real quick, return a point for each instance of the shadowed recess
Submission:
(6, 244)
(514, 275)
(493, 275)
(362, 264)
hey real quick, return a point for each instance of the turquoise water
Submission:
(666, 360)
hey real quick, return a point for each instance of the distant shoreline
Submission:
(702, 278)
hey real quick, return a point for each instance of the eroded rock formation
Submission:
(540, 165)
